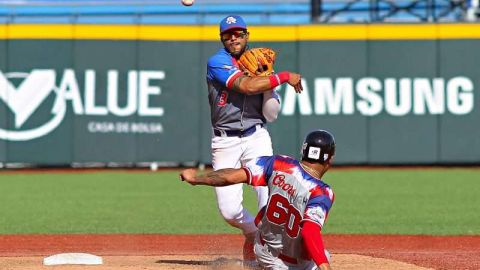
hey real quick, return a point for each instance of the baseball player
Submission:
(238, 108)
(289, 235)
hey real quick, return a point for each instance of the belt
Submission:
(237, 133)
(281, 256)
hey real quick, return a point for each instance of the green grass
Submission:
(417, 201)
(430, 201)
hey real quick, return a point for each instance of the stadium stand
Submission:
(256, 12)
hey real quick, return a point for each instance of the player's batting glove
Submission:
(257, 62)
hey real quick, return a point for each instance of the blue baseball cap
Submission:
(232, 22)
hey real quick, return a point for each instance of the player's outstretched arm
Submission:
(223, 177)
(256, 85)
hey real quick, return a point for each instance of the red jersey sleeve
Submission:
(313, 242)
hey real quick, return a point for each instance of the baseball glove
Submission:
(257, 62)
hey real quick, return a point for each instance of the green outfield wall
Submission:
(392, 94)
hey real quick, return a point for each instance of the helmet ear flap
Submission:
(304, 147)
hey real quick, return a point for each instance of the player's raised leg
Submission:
(226, 153)
(259, 144)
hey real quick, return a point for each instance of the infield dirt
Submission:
(340, 261)
(223, 251)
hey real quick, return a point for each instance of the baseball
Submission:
(187, 2)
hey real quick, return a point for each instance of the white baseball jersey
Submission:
(294, 196)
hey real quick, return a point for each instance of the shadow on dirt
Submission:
(220, 263)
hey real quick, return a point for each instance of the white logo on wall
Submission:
(372, 96)
(38, 85)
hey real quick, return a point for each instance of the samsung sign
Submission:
(37, 86)
(371, 96)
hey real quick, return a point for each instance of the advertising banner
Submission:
(139, 95)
